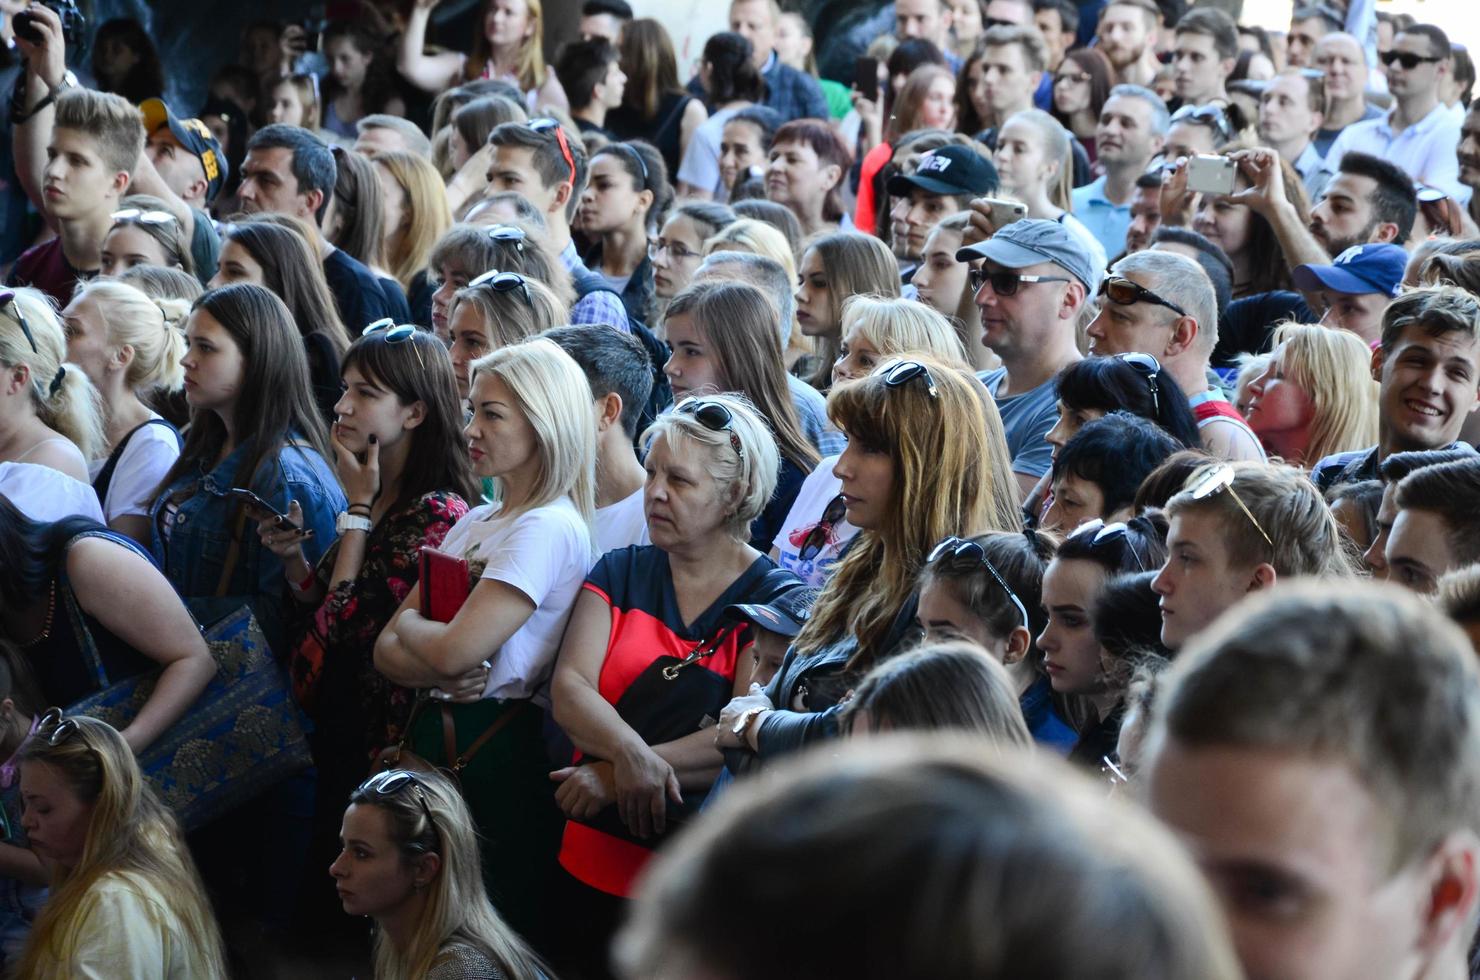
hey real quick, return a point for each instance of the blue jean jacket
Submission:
(201, 531)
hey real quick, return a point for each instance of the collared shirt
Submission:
(793, 94)
(1426, 149)
(600, 306)
(1105, 219)
(1311, 167)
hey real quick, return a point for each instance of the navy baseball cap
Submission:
(956, 170)
(785, 614)
(194, 135)
(1359, 270)
(1034, 240)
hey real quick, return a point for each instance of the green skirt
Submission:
(507, 786)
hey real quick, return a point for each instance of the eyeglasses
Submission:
(1205, 115)
(822, 531)
(955, 547)
(1150, 369)
(1407, 59)
(508, 234)
(1124, 292)
(1215, 478)
(675, 250)
(1006, 283)
(1108, 534)
(393, 333)
(504, 282)
(903, 372)
(543, 126)
(714, 417)
(55, 727)
(392, 781)
(8, 298)
(138, 216)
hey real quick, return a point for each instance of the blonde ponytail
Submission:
(134, 319)
(63, 397)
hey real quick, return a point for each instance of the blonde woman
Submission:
(50, 418)
(410, 862)
(416, 216)
(816, 529)
(1316, 396)
(295, 101)
(1036, 166)
(125, 900)
(834, 269)
(533, 432)
(508, 45)
(498, 309)
(129, 346)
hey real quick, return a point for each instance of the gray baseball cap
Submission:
(1034, 240)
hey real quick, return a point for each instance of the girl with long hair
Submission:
(416, 216)
(816, 530)
(269, 251)
(129, 346)
(144, 233)
(927, 101)
(943, 686)
(125, 61)
(1316, 395)
(1036, 166)
(624, 202)
(125, 893)
(943, 283)
(359, 82)
(731, 83)
(533, 432)
(834, 269)
(296, 100)
(724, 338)
(410, 862)
(498, 312)
(679, 247)
(508, 45)
(806, 168)
(1081, 86)
(655, 105)
(353, 223)
(926, 458)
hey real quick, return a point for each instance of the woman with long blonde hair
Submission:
(125, 895)
(508, 45)
(416, 216)
(1036, 165)
(533, 431)
(1315, 396)
(926, 459)
(410, 839)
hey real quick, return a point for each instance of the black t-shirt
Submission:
(356, 291)
(1247, 326)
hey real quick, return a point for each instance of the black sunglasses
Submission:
(391, 782)
(821, 532)
(713, 416)
(1124, 292)
(1006, 283)
(1206, 115)
(511, 234)
(901, 373)
(55, 727)
(8, 298)
(1407, 59)
(504, 282)
(1104, 534)
(955, 547)
(1150, 369)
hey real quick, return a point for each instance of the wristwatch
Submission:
(352, 522)
(742, 724)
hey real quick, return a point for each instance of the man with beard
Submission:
(1128, 39)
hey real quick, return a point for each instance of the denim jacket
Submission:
(201, 531)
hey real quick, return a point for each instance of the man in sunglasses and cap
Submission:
(1419, 133)
(1034, 279)
(1163, 304)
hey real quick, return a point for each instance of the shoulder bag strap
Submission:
(233, 553)
(449, 735)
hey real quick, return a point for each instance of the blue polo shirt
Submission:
(1106, 220)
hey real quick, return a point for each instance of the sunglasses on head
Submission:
(1102, 534)
(1407, 59)
(393, 333)
(1213, 479)
(1123, 292)
(954, 547)
(55, 727)
(390, 782)
(545, 125)
(1205, 115)
(510, 234)
(1006, 283)
(8, 298)
(713, 416)
(901, 373)
(1149, 368)
(139, 216)
(822, 531)
(503, 282)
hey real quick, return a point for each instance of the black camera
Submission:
(74, 25)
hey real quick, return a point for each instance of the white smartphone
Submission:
(1004, 212)
(1211, 174)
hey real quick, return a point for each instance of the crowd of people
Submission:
(1022, 499)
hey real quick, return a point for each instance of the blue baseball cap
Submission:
(1035, 240)
(1359, 270)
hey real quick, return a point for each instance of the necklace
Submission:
(51, 610)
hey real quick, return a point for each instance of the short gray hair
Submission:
(1178, 279)
(1161, 119)
(765, 273)
(416, 140)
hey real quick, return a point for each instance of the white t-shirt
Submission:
(818, 490)
(148, 456)
(621, 524)
(544, 553)
(47, 495)
(700, 164)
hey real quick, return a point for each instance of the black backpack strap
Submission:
(105, 475)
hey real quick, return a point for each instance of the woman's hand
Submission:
(1176, 200)
(727, 737)
(644, 783)
(285, 542)
(468, 688)
(871, 115)
(1266, 180)
(361, 481)
(979, 228)
(585, 790)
